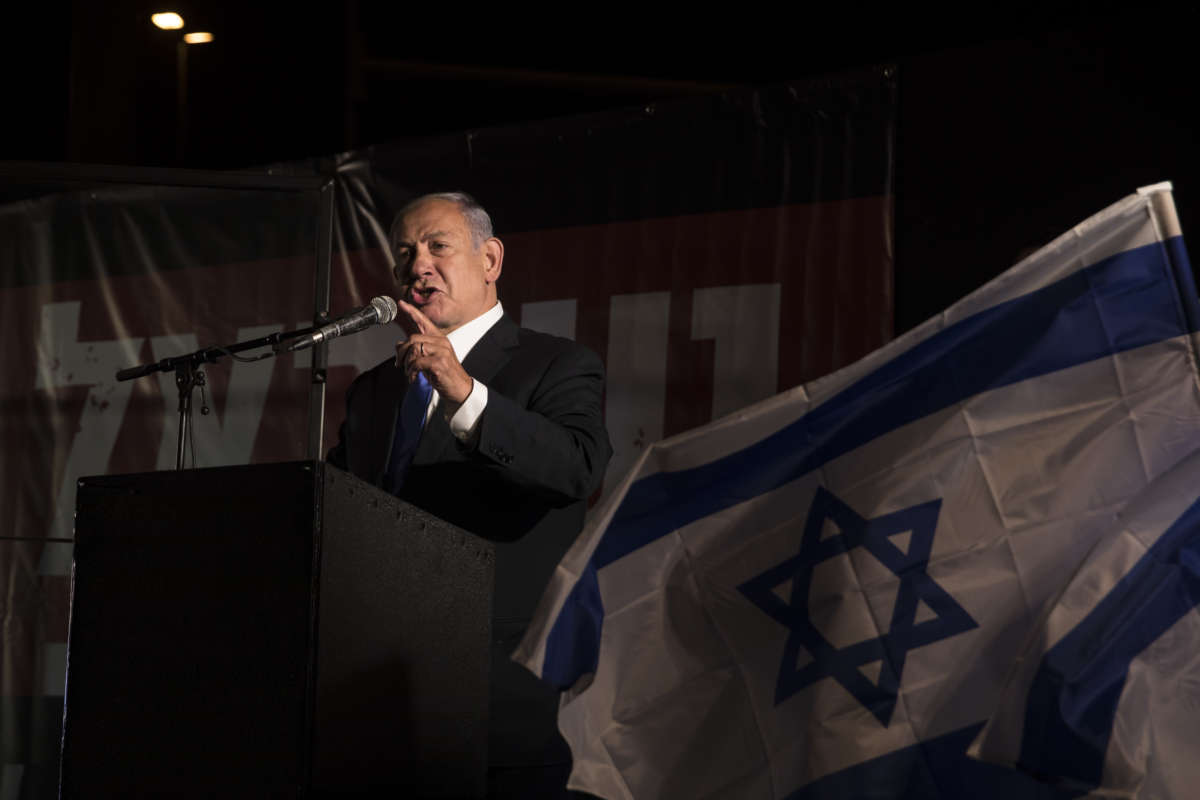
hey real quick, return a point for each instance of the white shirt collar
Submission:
(464, 338)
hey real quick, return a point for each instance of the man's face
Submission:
(440, 270)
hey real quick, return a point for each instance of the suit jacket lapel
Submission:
(490, 353)
(487, 357)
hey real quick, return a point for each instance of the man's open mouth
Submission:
(424, 295)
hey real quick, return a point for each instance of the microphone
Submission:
(380, 311)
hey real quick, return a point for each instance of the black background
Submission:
(1015, 122)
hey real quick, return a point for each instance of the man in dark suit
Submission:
(513, 443)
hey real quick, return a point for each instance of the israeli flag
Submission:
(1107, 694)
(821, 596)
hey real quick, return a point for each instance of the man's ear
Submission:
(493, 252)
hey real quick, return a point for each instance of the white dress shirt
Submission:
(464, 419)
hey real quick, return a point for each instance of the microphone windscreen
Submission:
(386, 308)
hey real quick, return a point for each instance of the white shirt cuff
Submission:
(465, 421)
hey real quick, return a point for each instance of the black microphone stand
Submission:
(188, 374)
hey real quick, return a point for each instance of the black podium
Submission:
(282, 630)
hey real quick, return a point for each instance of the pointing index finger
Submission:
(414, 320)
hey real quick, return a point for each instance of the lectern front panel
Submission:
(190, 634)
(402, 694)
(280, 630)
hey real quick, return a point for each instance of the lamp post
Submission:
(171, 21)
(181, 84)
(181, 69)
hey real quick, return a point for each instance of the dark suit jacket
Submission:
(541, 452)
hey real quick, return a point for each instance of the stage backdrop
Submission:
(713, 251)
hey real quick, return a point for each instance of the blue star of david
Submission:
(904, 633)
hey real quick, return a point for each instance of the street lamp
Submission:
(167, 20)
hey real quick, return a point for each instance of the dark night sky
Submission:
(96, 82)
(1015, 123)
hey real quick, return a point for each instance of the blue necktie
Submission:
(409, 420)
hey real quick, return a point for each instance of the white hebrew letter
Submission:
(224, 439)
(744, 322)
(63, 360)
(637, 377)
(556, 317)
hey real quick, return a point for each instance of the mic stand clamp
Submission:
(188, 376)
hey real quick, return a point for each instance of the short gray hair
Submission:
(478, 220)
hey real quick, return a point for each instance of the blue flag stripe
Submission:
(1129, 300)
(1073, 699)
(933, 769)
(1185, 280)
(573, 644)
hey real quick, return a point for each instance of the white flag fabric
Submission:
(821, 596)
(1106, 697)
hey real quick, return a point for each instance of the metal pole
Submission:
(316, 392)
(185, 380)
(181, 101)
